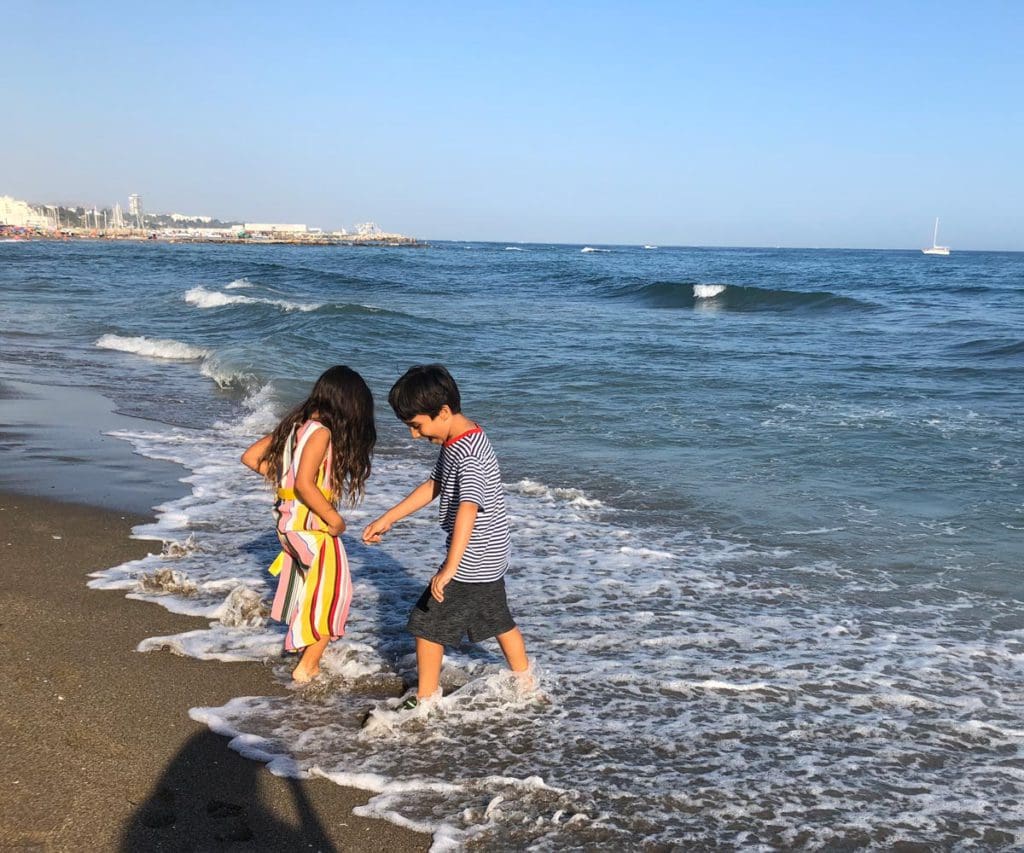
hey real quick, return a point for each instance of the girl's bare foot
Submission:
(303, 676)
(309, 664)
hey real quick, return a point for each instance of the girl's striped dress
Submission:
(314, 587)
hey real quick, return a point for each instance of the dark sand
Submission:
(98, 751)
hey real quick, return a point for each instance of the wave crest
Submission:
(203, 298)
(153, 347)
(734, 297)
(230, 378)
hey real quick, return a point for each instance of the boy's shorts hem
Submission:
(479, 610)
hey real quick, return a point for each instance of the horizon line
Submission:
(715, 246)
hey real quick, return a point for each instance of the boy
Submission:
(467, 594)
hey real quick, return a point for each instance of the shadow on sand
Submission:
(210, 798)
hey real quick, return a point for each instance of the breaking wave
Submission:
(734, 297)
(575, 497)
(153, 347)
(203, 298)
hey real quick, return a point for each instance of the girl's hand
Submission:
(337, 528)
(375, 529)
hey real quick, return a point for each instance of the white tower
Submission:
(135, 209)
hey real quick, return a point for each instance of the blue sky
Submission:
(791, 124)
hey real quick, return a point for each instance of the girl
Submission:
(319, 454)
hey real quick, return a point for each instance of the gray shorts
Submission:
(477, 609)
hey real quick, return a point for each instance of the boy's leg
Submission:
(429, 656)
(514, 649)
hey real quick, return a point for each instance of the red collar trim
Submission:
(472, 431)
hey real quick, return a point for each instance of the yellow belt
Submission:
(289, 494)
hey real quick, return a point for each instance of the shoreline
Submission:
(58, 444)
(156, 236)
(101, 751)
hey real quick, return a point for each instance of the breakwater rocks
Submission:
(238, 238)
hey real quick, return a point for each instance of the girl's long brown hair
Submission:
(342, 402)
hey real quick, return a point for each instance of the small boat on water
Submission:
(935, 248)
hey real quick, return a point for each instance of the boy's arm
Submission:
(465, 518)
(418, 498)
(253, 456)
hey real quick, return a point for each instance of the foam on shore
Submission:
(744, 688)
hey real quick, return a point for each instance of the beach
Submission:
(99, 751)
(766, 516)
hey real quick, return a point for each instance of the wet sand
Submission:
(98, 750)
(55, 442)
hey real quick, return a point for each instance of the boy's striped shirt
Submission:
(467, 470)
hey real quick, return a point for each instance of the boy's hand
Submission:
(375, 529)
(439, 581)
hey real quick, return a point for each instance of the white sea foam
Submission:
(153, 347)
(223, 643)
(514, 249)
(203, 298)
(688, 687)
(713, 684)
(588, 249)
(576, 497)
(707, 291)
(167, 581)
(818, 531)
(262, 412)
(239, 284)
(228, 377)
(244, 607)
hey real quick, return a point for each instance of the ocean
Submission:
(767, 515)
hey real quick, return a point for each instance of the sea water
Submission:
(767, 522)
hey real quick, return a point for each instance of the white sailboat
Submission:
(935, 248)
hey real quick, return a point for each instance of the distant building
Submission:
(209, 233)
(182, 217)
(274, 228)
(20, 214)
(135, 210)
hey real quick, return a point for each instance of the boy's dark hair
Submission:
(423, 390)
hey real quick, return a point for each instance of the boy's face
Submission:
(435, 429)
